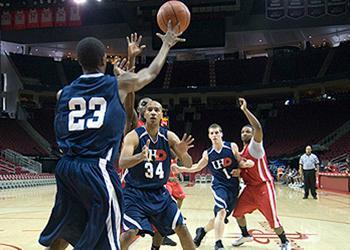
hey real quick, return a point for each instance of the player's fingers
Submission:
(170, 26)
(191, 146)
(128, 40)
(139, 40)
(191, 141)
(143, 47)
(184, 137)
(159, 35)
(148, 142)
(181, 40)
(132, 69)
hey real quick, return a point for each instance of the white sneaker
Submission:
(242, 240)
(286, 246)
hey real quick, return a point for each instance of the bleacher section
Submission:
(14, 137)
(288, 66)
(8, 181)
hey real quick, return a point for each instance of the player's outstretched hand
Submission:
(145, 150)
(134, 47)
(171, 38)
(242, 103)
(185, 144)
(121, 66)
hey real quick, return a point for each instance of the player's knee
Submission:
(181, 229)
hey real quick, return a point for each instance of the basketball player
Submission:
(260, 191)
(221, 158)
(146, 155)
(173, 185)
(89, 124)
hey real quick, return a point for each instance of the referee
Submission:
(308, 165)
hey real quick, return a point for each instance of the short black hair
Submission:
(248, 126)
(90, 52)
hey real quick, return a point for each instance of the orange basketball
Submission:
(175, 11)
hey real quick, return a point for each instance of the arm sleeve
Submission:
(301, 160)
(316, 160)
(256, 149)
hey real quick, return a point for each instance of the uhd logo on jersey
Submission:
(222, 163)
(157, 155)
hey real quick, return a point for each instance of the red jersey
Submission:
(260, 172)
(140, 123)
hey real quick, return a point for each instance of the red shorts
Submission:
(175, 190)
(261, 197)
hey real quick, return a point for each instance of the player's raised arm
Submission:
(127, 158)
(181, 147)
(258, 133)
(202, 163)
(132, 82)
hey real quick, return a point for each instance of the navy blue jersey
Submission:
(221, 163)
(152, 174)
(90, 118)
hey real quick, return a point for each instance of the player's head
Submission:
(92, 55)
(153, 113)
(308, 149)
(247, 133)
(215, 133)
(142, 106)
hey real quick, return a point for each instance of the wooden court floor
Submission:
(322, 224)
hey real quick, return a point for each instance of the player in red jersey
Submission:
(259, 192)
(173, 185)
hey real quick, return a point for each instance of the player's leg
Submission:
(185, 237)
(202, 231)
(170, 220)
(157, 241)
(246, 204)
(267, 206)
(100, 198)
(127, 238)
(136, 220)
(219, 226)
(58, 244)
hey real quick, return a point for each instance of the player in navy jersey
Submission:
(146, 155)
(222, 159)
(89, 124)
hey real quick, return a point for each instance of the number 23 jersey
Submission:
(154, 173)
(90, 118)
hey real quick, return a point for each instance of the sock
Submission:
(218, 243)
(283, 237)
(154, 247)
(244, 231)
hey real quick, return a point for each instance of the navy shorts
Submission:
(144, 208)
(225, 198)
(87, 211)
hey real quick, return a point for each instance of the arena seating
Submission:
(339, 147)
(14, 137)
(8, 181)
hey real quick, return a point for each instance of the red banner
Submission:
(19, 20)
(74, 16)
(60, 17)
(33, 19)
(46, 18)
(6, 20)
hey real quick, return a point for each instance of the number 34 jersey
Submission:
(90, 118)
(154, 173)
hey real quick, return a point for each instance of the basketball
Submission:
(175, 11)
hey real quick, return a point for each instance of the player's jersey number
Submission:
(149, 170)
(78, 107)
